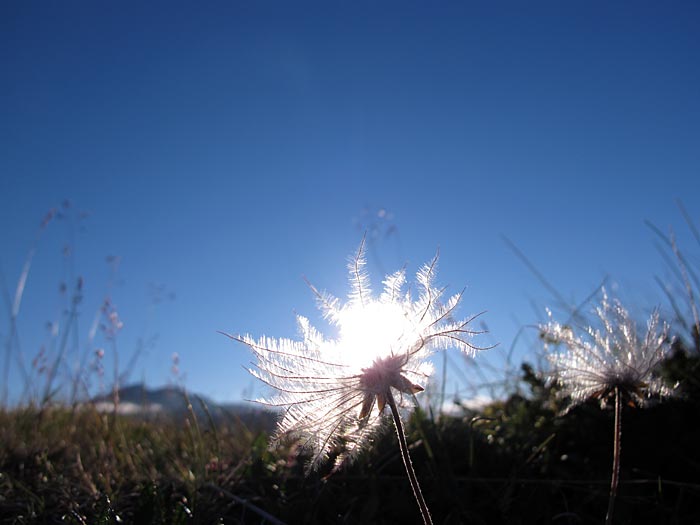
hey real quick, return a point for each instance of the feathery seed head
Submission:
(612, 356)
(334, 390)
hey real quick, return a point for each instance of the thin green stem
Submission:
(443, 382)
(407, 459)
(616, 457)
(72, 316)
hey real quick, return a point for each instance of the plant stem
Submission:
(616, 457)
(51, 375)
(443, 382)
(407, 460)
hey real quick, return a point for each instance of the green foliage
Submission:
(515, 461)
(88, 467)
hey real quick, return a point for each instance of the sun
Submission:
(372, 331)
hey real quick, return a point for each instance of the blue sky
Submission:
(226, 150)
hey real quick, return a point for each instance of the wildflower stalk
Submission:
(616, 456)
(53, 371)
(612, 361)
(335, 390)
(425, 513)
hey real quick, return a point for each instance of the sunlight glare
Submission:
(372, 331)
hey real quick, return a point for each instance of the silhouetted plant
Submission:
(334, 390)
(611, 363)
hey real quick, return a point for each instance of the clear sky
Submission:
(225, 150)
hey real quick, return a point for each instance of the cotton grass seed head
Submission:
(613, 355)
(334, 390)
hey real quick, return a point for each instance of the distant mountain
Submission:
(172, 402)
